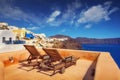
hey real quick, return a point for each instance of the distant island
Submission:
(83, 40)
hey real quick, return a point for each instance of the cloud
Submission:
(107, 5)
(113, 10)
(88, 26)
(55, 23)
(68, 15)
(53, 16)
(8, 10)
(33, 28)
(97, 13)
(55, 13)
(94, 14)
(71, 15)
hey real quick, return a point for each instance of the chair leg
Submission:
(29, 59)
(62, 70)
(53, 73)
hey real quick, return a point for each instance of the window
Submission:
(3, 39)
(10, 39)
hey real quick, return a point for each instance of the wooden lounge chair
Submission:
(34, 59)
(61, 62)
(34, 54)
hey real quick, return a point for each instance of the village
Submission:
(12, 35)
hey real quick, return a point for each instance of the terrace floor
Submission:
(79, 71)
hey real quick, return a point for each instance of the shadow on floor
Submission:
(29, 67)
(91, 71)
(48, 72)
(26, 67)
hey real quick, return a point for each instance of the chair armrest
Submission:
(45, 57)
(68, 59)
(58, 65)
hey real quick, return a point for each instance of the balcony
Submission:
(90, 66)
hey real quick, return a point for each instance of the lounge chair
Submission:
(34, 59)
(34, 54)
(58, 62)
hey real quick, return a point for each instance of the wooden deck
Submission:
(79, 71)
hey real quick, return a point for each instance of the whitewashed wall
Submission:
(7, 34)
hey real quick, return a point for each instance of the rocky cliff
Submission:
(75, 43)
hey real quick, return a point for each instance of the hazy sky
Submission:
(76, 18)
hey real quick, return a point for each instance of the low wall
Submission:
(106, 68)
(2, 71)
(23, 54)
(90, 55)
(16, 55)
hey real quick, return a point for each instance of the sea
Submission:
(114, 50)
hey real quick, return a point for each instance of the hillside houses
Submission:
(14, 35)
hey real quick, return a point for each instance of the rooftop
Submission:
(90, 66)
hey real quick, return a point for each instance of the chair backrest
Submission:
(54, 54)
(32, 50)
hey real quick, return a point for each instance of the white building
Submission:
(3, 24)
(6, 35)
(58, 39)
(42, 35)
(62, 39)
(12, 27)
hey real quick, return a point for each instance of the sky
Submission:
(75, 18)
